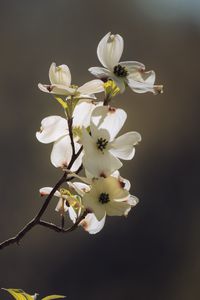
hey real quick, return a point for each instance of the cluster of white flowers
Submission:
(88, 135)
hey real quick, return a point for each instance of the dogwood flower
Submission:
(60, 78)
(102, 149)
(106, 197)
(66, 202)
(91, 223)
(54, 129)
(131, 73)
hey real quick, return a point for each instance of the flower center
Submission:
(101, 144)
(104, 198)
(120, 71)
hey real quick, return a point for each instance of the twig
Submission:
(70, 122)
(36, 220)
(60, 229)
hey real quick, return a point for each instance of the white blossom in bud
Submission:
(131, 73)
(66, 203)
(102, 149)
(60, 79)
(54, 129)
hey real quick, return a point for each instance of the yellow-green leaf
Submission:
(62, 102)
(52, 297)
(19, 294)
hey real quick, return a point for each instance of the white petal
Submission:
(79, 187)
(61, 206)
(115, 174)
(60, 75)
(92, 87)
(114, 208)
(140, 87)
(82, 113)
(132, 200)
(95, 161)
(123, 146)
(56, 89)
(142, 82)
(88, 174)
(47, 190)
(94, 206)
(110, 49)
(62, 152)
(125, 183)
(86, 97)
(113, 187)
(91, 224)
(99, 72)
(132, 66)
(72, 214)
(101, 164)
(99, 133)
(52, 128)
(109, 118)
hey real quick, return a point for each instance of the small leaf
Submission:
(62, 102)
(52, 297)
(19, 294)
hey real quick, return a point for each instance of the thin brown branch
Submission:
(36, 220)
(60, 229)
(70, 122)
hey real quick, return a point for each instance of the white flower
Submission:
(66, 203)
(55, 129)
(131, 73)
(60, 78)
(90, 222)
(102, 149)
(106, 197)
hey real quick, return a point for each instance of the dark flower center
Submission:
(120, 71)
(104, 198)
(101, 144)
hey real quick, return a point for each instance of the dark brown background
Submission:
(154, 253)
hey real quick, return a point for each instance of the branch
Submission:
(70, 122)
(60, 229)
(36, 220)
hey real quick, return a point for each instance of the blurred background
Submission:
(155, 253)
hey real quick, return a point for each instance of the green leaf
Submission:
(62, 102)
(52, 297)
(19, 294)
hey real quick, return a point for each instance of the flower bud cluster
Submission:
(88, 135)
